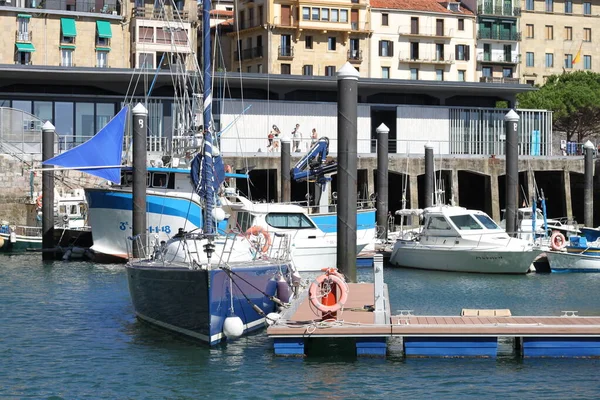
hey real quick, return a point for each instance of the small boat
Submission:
(264, 223)
(457, 239)
(578, 256)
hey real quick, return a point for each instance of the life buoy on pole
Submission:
(557, 241)
(333, 283)
(38, 202)
(260, 231)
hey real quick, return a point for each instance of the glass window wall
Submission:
(23, 105)
(43, 110)
(84, 121)
(104, 112)
(64, 118)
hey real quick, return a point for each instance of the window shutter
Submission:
(391, 48)
(380, 48)
(467, 51)
(456, 52)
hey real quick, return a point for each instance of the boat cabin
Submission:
(457, 221)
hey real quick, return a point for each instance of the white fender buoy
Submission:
(13, 237)
(218, 214)
(233, 327)
(272, 318)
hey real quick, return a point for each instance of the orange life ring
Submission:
(38, 202)
(557, 241)
(260, 231)
(314, 292)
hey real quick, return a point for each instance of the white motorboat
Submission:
(456, 239)
(265, 223)
(525, 224)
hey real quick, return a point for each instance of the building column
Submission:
(530, 186)
(414, 191)
(370, 181)
(454, 183)
(567, 189)
(495, 196)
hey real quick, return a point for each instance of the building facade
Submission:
(422, 40)
(498, 38)
(558, 36)
(301, 37)
(64, 33)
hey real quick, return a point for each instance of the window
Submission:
(325, 14)
(568, 61)
(307, 70)
(286, 69)
(259, 68)
(23, 30)
(159, 179)
(102, 59)
(439, 51)
(414, 25)
(330, 70)
(386, 48)
(587, 8)
(331, 43)
(146, 34)
(316, 14)
(462, 52)
(461, 24)
(384, 19)
(461, 75)
(549, 32)
(286, 46)
(507, 72)
(104, 112)
(529, 60)
(438, 223)
(587, 62)
(385, 72)
(486, 72)
(249, 68)
(343, 15)
(84, 121)
(66, 57)
(439, 74)
(549, 5)
(414, 50)
(146, 60)
(334, 15)
(308, 42)
(568, 33)
(414, 74)
(529, 31)
(487, 222)
(549, 60)
(530, 82)
(289, 220)
(529, 5)
(587, 34)
(244, 220)
(568, 6)
(465, 222)
(306, 13)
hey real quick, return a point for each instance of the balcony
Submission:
(81, 6)
(160, 13)
(486, 34)
(355, 56)
(492, 79)
(285, 52)
(249, 54)
(497, 59)
(426, 59)
(503, 11)
(425, 32)
(23, 36)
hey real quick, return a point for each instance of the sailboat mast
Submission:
(207, 170)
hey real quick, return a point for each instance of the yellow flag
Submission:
(578, 55)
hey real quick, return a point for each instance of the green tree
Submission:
(574, 99)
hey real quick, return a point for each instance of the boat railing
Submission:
(20, 230)
(455, 239)
(146, 246)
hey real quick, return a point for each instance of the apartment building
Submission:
(559, 36)
(163, 33)
(498, 38)
(64, 33)
(422, 40)
(301, 37)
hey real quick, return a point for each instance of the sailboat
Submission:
(201, 284)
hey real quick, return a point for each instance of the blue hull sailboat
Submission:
(201, 284)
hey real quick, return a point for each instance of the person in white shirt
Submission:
(297, 135)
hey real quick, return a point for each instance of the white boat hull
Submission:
(563, 261)
(411, 254)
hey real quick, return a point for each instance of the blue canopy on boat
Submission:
(104, 151)
(217, 167)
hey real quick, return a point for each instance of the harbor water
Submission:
(68, 332)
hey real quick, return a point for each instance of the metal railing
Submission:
(248, 54)
(285, 51)
(160, 13)
(498, 79)
(432, 31)
(499, 58)
(498, 35)
(431, 59)
(23, 36)
(488, 8)
(355, 55)
(91, 6)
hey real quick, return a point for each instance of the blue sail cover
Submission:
(218, 171)
(103, 150)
